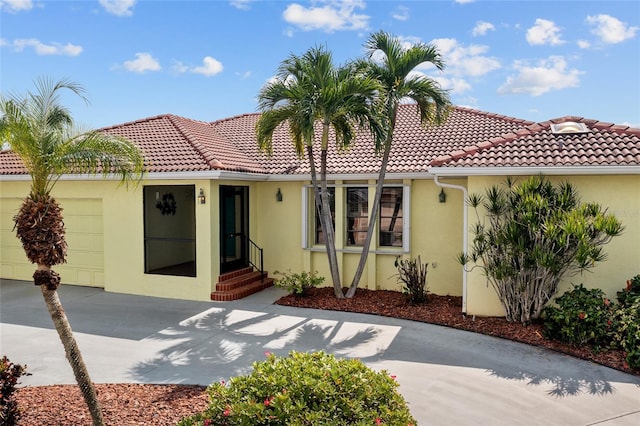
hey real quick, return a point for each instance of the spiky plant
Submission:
(41, 132)
(533, 234)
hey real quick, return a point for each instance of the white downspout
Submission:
(465, 230)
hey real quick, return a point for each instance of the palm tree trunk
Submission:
(321, 196)
(72, 351)
(372, 221)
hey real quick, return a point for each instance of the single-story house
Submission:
(211, 204)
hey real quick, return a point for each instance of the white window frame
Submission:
(308, 219)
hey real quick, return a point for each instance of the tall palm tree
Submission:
(395, 72)
(40, 131)
(308, 89)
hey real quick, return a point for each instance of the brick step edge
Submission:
(242, 292)
(235, 274)
(240, 281)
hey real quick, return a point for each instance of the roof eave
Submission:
(528, 171)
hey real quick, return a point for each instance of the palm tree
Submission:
(41, 132)
(308, 89)
(395, 72)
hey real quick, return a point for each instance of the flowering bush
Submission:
(9, 375)
(298, 284)
(582, 316)
(631, 292)
(628, 332)
(306, 389)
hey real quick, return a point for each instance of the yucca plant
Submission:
(535, 234)
(41, 132)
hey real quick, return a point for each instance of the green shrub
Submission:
(9, 375)
(530, 235)
(413, 274)
(631, 293)
(628, 332)
(305, 389)
(582, 316)
(298, 284)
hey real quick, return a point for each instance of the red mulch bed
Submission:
(141, 404)
(447, 311)
(122, 404)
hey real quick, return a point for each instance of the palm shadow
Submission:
(562, 384)
(221, 343)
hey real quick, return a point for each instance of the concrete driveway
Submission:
(448, 377)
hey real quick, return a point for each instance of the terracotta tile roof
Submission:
(605, 144)
(10, 164)
(414, 147)
(171, 143)
(469, 138)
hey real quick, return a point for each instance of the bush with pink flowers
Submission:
(306, 389)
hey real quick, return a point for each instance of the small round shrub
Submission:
(306, 389)
(628, 332)
(582, 316)
(630, 293)
(298, 284)
(9, 375)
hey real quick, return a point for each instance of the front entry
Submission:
(234, 227)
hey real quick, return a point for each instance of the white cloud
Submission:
(549, 74)
(119, 7)
(584, 44)
(332, 16)
(44, 49)
(241, 4)
(464, 1)
(144, 62)
(611, 30)
(454, 85)
(179, 67)
(401, 13)
(244, 75)
(544, 32)
(482, 27)
(465, 61)
(210, 67)
(14, 6)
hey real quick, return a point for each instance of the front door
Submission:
(234, 227)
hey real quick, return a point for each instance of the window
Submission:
(351, 225)
(391, 223)
(357, 215)
(332, 204)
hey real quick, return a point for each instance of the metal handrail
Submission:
(254, 251)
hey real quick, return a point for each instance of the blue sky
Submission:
(207, 60)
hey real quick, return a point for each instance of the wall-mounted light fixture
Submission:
(279, 196)
(442, 196)
(201, 196)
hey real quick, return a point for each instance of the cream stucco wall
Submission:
(621, 195)
(435, 234)
(105, 233)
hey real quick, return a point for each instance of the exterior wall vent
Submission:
(569, 127)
